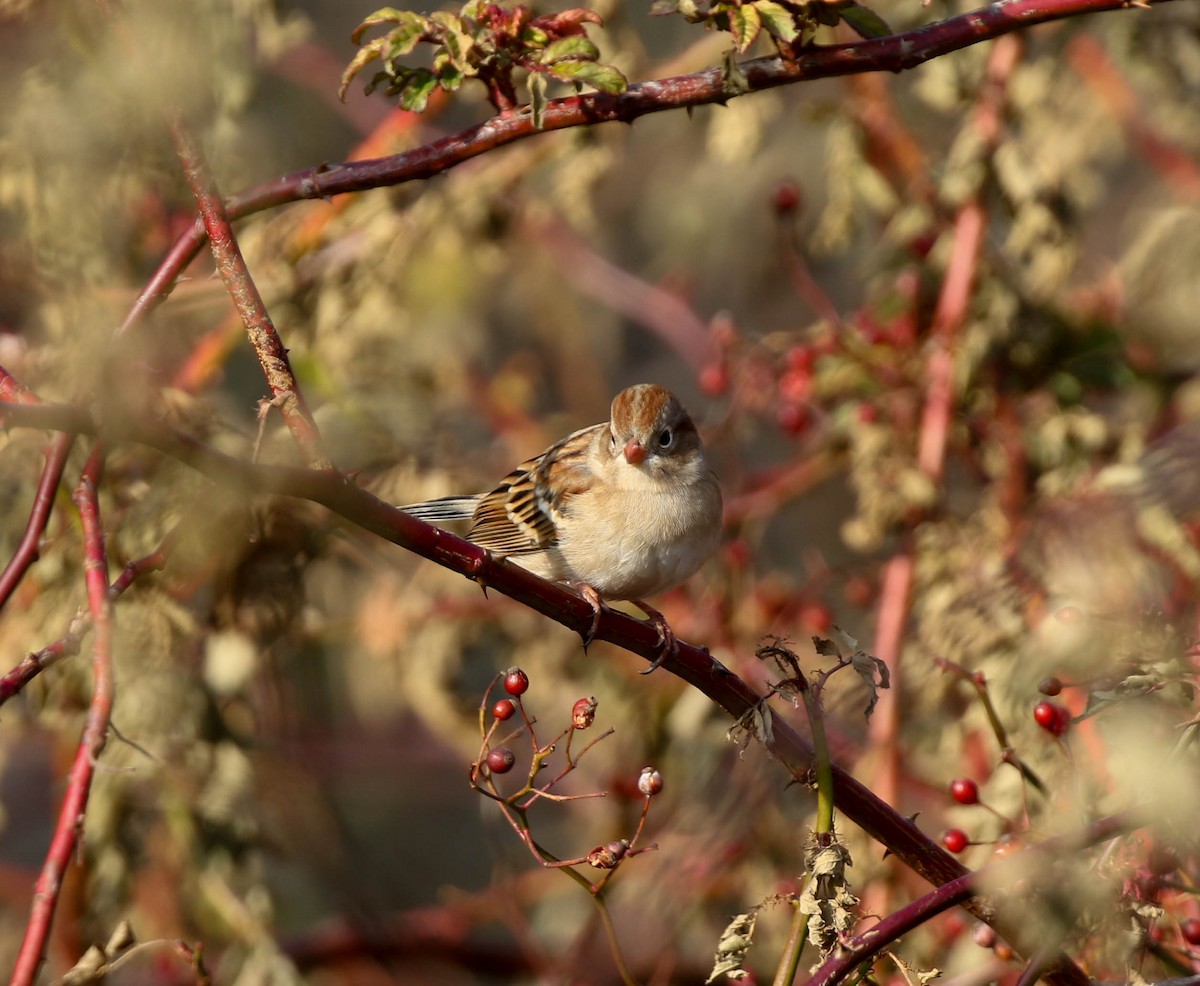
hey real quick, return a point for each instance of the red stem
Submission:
(896, 53)
(691, 664)
(231, 265)
(27, 551)
(91, 743)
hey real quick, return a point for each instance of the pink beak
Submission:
(635, 452)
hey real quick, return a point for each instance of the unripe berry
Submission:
(501, 760)
(965, 791)
(583, 713)
(650, 782)
(955, 840)
(1050, 686)
(607, 856)
(983, 935)
(516, 681)
(504, 709)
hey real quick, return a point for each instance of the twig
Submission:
(692, 664)
(95, 732)
(231, 265)
(67, 645)
(892, 54)
(27, 551)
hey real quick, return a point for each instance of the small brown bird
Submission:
(620, 510)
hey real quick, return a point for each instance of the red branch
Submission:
(91, 743)
(43, 500)
(231, 265)
(937, 413)
(68, 645)
(892, 54)
(692, 664)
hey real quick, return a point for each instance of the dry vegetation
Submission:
(939, 331)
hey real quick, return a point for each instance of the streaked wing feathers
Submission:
(445, 508)
(521, 514)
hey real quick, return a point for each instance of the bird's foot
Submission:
(598, 607)
(668, 645)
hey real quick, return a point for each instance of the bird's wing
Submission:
(445, 508)
(521, 515)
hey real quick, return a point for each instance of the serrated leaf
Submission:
(865, 22)
(449, 76)
(735, 942)
(745, 25)
(536, 83)
(473, 9)
(603, 77)
(778, 20)
(570, 21)
(403, 38)
(534, 37)
(362, 58)
(417, 90)
(575, 47)
(384, 15)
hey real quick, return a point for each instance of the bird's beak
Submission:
(635, 452)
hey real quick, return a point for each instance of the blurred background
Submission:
(298, 702)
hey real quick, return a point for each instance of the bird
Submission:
(621, 510)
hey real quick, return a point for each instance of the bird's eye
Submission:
(666, 438)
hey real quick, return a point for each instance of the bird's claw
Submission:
(668, 645)
(598, 608)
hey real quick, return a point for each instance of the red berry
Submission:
(1050, 686)
(1052, 717)
(800, 359)
(501, 760)
(516, 681)
(955, 840)
(965, 791)
(792, 418)
(583, 713)
(714, 380)
(650, 782)
(787, 197)
(858, 591)
(1190, 929)
(816, 617)
(504, 709)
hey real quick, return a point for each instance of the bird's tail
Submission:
(444, 508)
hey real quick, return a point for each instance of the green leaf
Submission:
(778, 20)
(865, 22)
(744, 24)
(576, 47)
(536, 84)
(603, 77)
(416, 92)
(403, 38)
(449, 76)
(363, 57)
(384, 15)
(472, 9)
